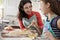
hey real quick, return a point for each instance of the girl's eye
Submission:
(30, 6)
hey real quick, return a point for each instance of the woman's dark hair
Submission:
(21, 13)
(54, 6)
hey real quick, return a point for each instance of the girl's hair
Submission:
(54, 6)
(21, 13)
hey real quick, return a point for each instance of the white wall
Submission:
(11, 10)
(10, 7)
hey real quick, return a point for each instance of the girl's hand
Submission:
(49, 35)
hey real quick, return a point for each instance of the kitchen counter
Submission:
(25, 36)
(16, 39)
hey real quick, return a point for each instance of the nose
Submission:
(29, 9)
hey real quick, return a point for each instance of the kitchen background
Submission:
(9, 10)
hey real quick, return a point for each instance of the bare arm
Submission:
(50, 36)
(34, 23)
(58, 23)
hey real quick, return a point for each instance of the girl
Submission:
(51, 10)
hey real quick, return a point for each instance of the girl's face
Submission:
(44, 7)
(27, 8)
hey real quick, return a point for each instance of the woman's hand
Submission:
(33, 23)
(8, 28)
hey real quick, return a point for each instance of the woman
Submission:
(25, 11)
(51, 10)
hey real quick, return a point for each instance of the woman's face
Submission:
(27, 8)
(44, 7)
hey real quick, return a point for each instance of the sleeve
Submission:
(40, 23)
(21, 24)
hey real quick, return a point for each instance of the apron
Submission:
(47, 27)
(27, 22)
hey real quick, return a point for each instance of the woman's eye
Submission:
(26, 8)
